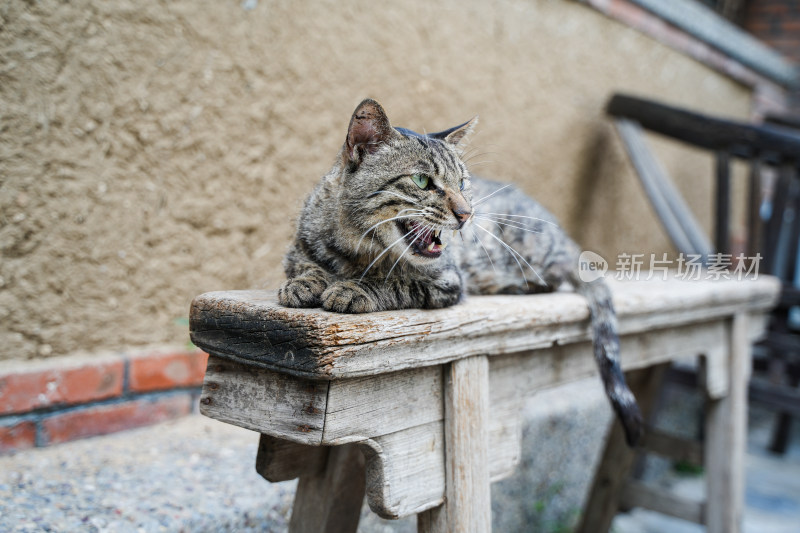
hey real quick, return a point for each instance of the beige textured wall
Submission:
(150, 151)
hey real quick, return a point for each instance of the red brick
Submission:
(101, 420)
(24, 387)
(161, 371)
(758, 27)
(19, 436)
(773, 7)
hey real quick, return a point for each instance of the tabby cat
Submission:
(374, 235)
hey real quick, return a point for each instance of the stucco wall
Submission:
(152, 151)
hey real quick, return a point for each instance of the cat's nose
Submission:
(460, 208)
(462, 216)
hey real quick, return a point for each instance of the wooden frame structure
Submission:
(773, 220)
(419, 410)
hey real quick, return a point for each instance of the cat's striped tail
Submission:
(606, 353)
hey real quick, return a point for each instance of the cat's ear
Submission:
(456, 135)
(369, 128)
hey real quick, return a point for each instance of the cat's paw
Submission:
(301, 292)
(348, 297)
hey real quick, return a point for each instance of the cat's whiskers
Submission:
(478, 163)
(477, 151)
(420, 234)
(426, 138)
(514, 254)
(479, 241)
(503, 215)
(470, 140)
(510, 224)
(418, 213)
(468, 161)
(467, 151)
(382, 253)
(481, 200)
(472, 156)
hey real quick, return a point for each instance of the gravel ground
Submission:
(197, 475)
(193, 474)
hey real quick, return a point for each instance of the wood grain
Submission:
(405, 470)
(675, 448)
(415, 388)
(678, 220)
(617, 460)
(360, 408)
(330, 501)
(432, 520)
(638, 494)
(742, 139)
(282, 460)
(267, 402)
(726, 434)
(468, 500)
(251, 327)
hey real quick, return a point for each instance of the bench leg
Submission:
(617, 460)
(468, 504)
(726, 434)
(330, 500)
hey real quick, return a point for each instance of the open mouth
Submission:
(423, 240)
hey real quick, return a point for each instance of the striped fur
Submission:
(370, 238)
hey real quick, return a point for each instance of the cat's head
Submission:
(403, 190)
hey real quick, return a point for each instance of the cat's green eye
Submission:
(461, 184)
(421, 180)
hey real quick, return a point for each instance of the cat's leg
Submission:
(353, 296)
(375, 294)
(306, 286)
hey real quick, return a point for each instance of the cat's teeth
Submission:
(430, 247)
(443, 246)
(437, 233)
(454, 232)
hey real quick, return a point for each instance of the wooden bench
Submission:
(428, 402)
(773, 224)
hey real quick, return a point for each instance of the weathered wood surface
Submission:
(639, 494)
(468, 502)
(680, 223)
(726, 435)
(672, 447)
(617, 460)
(351, 410)
(405, 470)
(381, 380)
(432, 521)
(275, 404)
(251, 327)
(741, 139)
(282, 460)
(722, 454)
(404, 411)
(330, 501)
(364, 407)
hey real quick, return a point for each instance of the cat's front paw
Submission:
(348, 297)
(301, 292)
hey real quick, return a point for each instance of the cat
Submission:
(373, 235)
